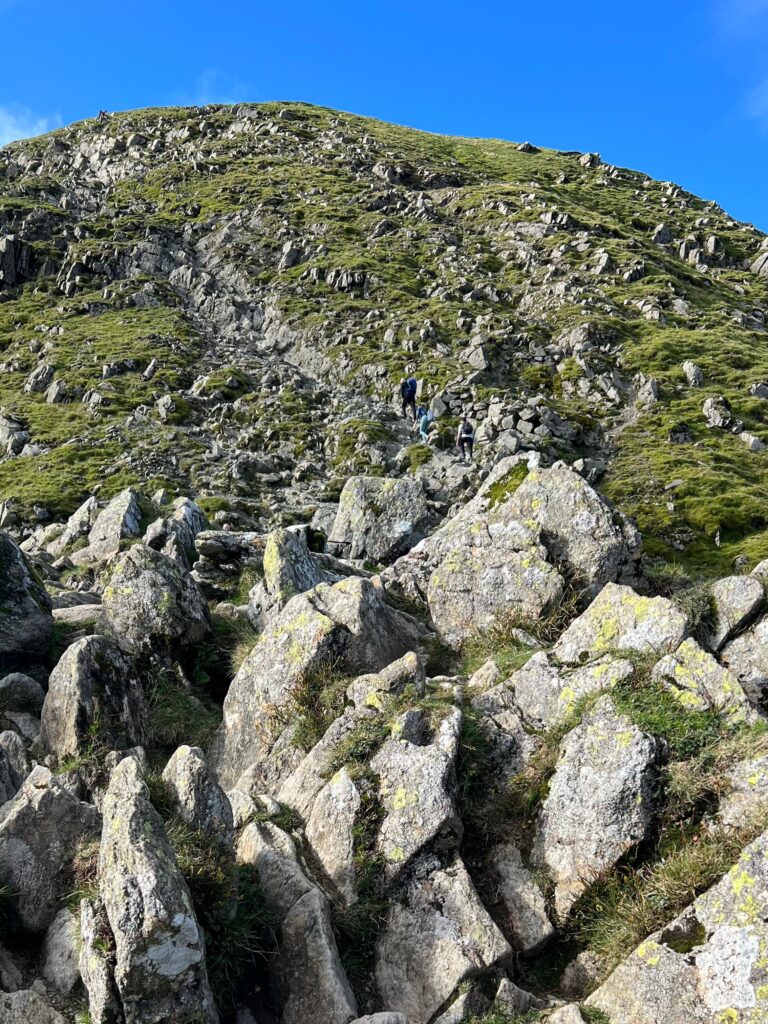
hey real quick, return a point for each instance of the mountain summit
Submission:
(319, 709)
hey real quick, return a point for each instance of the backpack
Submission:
(410, 387)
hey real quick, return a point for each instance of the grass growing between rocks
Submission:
(176, 714)
(318, 698)
(229, 904)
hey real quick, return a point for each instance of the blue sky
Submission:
(678, 89)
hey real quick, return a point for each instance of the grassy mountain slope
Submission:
(226, 241)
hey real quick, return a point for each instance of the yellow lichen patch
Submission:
(404, 798)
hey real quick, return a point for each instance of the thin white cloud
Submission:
(214, 86)
(757, 104)
(21, 123)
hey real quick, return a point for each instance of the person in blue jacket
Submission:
(408, 395)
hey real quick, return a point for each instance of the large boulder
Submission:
(618, 620)
(159, 966)
(119, 521)
(40, 830)
(152, 605)
(436, 936)
(26, 623)
(77, 527)
(379, 519)
(60, 958)
(95, 963)
(330, 833)
(580, 528)
(600, 801)
(476, 585)
(347, 625)
(93, 696)
(196, 797)
(706, 967)
(289, 569)
(417, 786)
(313, 984)
(176, 534)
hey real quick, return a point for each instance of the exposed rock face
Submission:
(196, 797)
(747, 658)
(152, 606)
(526, 922)
(40, 830)
(701, 683)
(313, 980)
(120, 520)
(95, 963)
(618, 619)
(26, 625)
(175, 535)
(721, 978)
(436, 937)
(27, 1007)
(60, 952)
(737, 600)
(580, 529)
(600, 801)
(417, 786)
(330, 832)
(546, 693)
(93, 696)
(289, 569)
(347, 625)
(160, 951)
(380, 519)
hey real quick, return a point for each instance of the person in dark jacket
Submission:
(465, 438)
(408, 395)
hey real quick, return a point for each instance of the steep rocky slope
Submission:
(303, 721)
(284, 264)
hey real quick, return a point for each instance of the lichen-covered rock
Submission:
(93, 695)
(26, 624)
(546, 693)
(723, 976)
(196, 797)
(600, 801)
(347, 625)
(330, 832)
(475, 585)
(27, 1007)
(737, 599)
(175, 535)
(379, 519)
(619, 619)
(313, 983)
(19, 764)
(519, 900)
(417, 785)
(289, 569)
(95, 966)
(580, 528)
(701, 683)
(78, 525)
(159, 968)
(40, 830)
(435, 937)
(19, 692)
(745, 796)
(747, 658)
(60, 952)
(151, 605)
(121, 519)
(368, 689)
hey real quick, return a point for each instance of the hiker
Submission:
(465, 438)
(103, 116)
(408, 395)
(425, 422)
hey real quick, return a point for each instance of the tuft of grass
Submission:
(318, 698)
(176, 715)
(230, 907)
(85, 874)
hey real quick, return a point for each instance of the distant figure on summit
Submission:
(103, 116)
(465, 438)
(408, 395)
